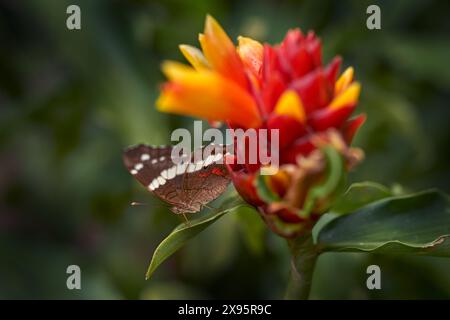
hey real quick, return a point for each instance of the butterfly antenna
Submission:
(135, 204)
(235, 201)
(215, 210)
(154, 205)
(210, 207)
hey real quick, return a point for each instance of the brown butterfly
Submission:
(187, 186)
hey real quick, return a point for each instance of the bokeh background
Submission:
(70, 101)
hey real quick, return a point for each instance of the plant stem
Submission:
(303, 261)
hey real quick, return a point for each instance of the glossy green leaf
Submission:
(418, 223)
(181, 234)
(324, 220)
(358, 195)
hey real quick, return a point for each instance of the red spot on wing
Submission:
(218, 172)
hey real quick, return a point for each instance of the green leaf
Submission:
(324, 220)
(358, 195)
(418, 223)
(181, 234)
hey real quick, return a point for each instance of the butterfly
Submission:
(187, 186)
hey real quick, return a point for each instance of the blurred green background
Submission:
(70, 101)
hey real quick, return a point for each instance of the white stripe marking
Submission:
(209, 160)
(138, 166)
(191, 168)
(218, 157)
(198, 165)
(181, 168)
(145, 157)
(161, 181)
(171, 172)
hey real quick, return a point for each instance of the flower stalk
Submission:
(304, 255)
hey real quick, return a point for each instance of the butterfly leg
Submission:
(209, 207)
(188, 223)
(215, 210)
(134, 204)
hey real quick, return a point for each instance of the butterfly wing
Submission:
(186, 186)
(146, 163)
(207, 182)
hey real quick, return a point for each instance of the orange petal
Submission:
(290, 104)
(194, 56)
(344, 81)
(207, 95)
(220, 52)
(251, 53)
(348, 97)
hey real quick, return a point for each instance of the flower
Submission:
(284, 87)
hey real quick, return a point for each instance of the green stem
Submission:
(303, 261)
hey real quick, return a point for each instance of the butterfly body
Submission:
(187, 185)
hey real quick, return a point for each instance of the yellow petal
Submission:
(290, 104)
(251, 53)
(176, 71)
(206, 94)
(221, 53)
(344, 80)
(348, 97)
(194, 56)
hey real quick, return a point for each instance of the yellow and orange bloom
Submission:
(260, 86)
